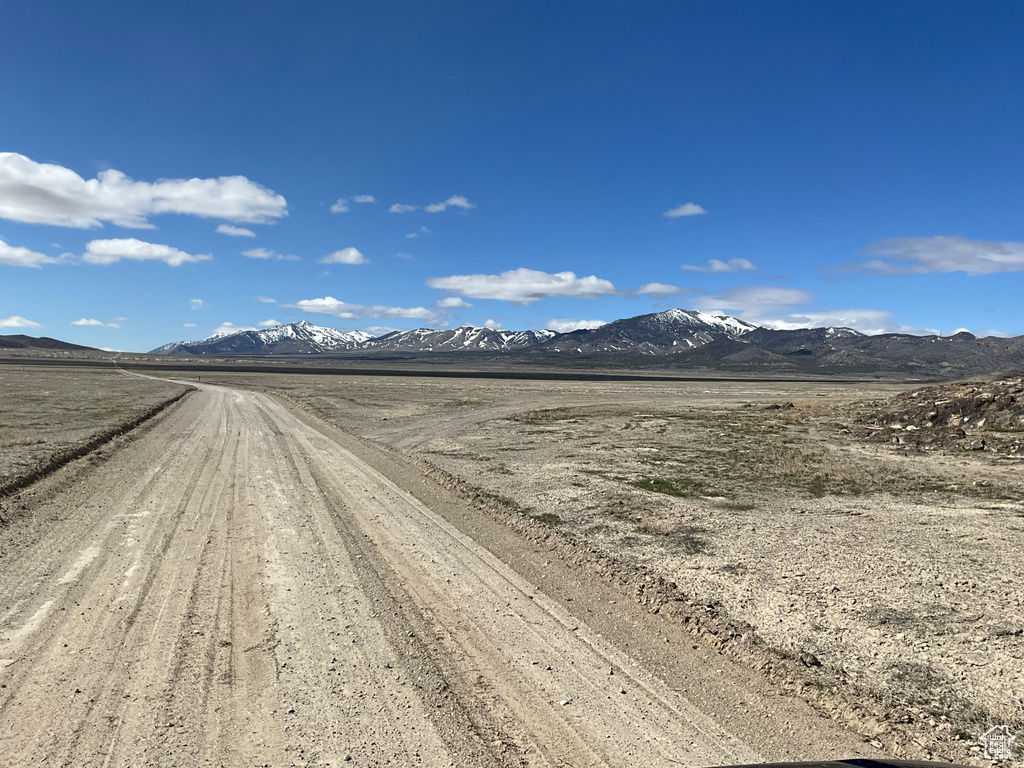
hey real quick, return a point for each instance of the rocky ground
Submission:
(801, 529)
(237, 583)
(973, 416)
(883, 575)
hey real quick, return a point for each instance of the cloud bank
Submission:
(754, 299)
(686, 209)
(452, 302)
(16, 256)
(455, 201)
(523, 286)
(660, 290)
(943, 253)
(266, 254)
(130, 249)
(869, 321)
(233, 231)
(44, 193)
(17, 321)
(328, 305)
(345, 256)
(716, 265)
(776, 308)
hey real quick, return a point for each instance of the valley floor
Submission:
(852, 572)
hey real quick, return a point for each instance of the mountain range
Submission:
(676, 338)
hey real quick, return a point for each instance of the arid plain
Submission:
(736, 542)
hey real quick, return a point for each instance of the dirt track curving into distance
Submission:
(236, 587)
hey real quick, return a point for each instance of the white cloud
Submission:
(686, 209)
(345, 256)
(189, 325)
(944, 253)
(266, 300)
(753, 300)
(401, 255)
(233, 231)
(402, 208)
(565, 325)
(417, 233)
(662, 289)
(111, 251)
(328, 305)
(455, 201)
(226, 329)
(452, 302)
(17, 321)
(380, 330)
(342, 205)
(267, 323)
(266, 253)
(493, 323)
(523, 286)
(773, 307)
(96, 323)
(44, 193)
(716, 265)
(870, 321)
(195, 303)
(16, 256)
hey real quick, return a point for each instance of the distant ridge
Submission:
(675, 338)
(20, 341)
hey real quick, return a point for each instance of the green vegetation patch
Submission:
(683, 487)
(548, 518)
(546, 415)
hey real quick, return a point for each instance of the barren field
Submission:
(47, 411)
(848, 571)
(416, 571)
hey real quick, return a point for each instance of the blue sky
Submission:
(171, 168)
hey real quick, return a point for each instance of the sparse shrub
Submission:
(548, 518)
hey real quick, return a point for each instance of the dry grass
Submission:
(48, 410)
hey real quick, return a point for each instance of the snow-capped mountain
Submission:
(292, 339)
(465, 338)
(675, 330)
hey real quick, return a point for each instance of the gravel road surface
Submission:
(237, 586)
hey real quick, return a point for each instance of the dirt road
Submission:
(236, 587)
